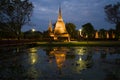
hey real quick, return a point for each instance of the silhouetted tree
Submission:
(111, 33)
(71, 29)
(33, 35)
(102, 33)
(88, 30)
(14, 14)
(46, 36)
(113, 16)
(118, 30)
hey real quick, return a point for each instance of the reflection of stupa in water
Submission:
(60, 59)
(59, 32)
(59, 55)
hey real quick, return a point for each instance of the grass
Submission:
(67, 44)
(81, 43)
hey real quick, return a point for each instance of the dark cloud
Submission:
(78, 12)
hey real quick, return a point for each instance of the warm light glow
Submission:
(80, 30)
(81, 64)
(33, 55)
(60, 25)
(113, 35)
(60, 56)
(81, 51)
(59, 31)
(50, 27)
(33, 30)
(33, 59)
(96, 35)
(80, 59)
(32, 50)
(107, 35)
(60, 59)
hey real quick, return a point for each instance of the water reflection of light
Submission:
(81, 50)
(33, 50)
(33, 55)
(60, 54)
(33, 72)
(33, 59)
(82, 64)
(80, 59)
(60, 58)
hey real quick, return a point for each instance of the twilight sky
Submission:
(78, 12)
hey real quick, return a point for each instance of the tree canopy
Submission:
(71, 29)
(102, 33)
(113, 16)
(118, 30)
(88, 30)
(113, 13)
(14, 14)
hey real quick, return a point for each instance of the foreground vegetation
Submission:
(81, 43)
(67, 44)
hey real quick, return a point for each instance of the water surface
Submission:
(60, 63)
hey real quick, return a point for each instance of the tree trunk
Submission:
(118, 30)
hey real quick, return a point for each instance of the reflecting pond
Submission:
(60, 63)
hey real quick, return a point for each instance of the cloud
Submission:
(78, 12)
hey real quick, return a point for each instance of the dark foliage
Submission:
(88, 30)
(113, 13)
(71, 29)
(14, 14)
(113, 16)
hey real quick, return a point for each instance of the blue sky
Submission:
(78, 12)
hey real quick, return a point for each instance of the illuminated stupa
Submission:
(59, 31)
(50, 27)
(60, 25)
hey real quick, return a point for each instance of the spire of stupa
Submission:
(60, 15)
(50, 26)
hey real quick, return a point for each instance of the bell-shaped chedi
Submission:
(50, 27)
(59, 32)
(60, 25)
